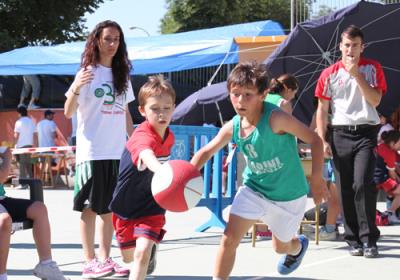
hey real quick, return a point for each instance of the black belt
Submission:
(354, 127)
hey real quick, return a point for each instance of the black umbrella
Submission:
(314, 45)
(209, 105)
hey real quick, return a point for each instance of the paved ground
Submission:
(189, 255)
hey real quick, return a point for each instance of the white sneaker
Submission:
(327, 236)
(33, 106)
(49, 271)
(393, 218)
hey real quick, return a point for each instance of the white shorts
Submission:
(282, 217)
(2, 209)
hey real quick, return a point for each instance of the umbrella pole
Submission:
(219, 114)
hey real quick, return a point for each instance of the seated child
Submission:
(385, 175)
(138, 220)
(17, 209)
(274, 186)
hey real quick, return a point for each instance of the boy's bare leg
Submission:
(127, 255)
(396, 200)
(141, 258)
(106, 230)
(87, 229)
(333, 205)
(293, 247)
(41, 229)
(234, 232)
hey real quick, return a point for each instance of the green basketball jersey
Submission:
(273, 167)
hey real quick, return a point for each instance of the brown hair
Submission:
(247, 74)
(277, 85)
(121, 65)
(353, 31)
(155, 86)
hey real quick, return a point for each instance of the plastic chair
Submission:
(35, 194)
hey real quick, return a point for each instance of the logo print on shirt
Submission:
(251, 151)
(268, 166)
(108, 92)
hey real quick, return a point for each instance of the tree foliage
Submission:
(187, 15)
(42, 22)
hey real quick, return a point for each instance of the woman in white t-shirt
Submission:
(100, 94)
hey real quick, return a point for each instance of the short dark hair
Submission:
(353, 31)
(22, 111)
(48, 113)
(247, 74)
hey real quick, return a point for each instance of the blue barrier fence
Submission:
(188, 140)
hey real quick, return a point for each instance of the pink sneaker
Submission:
(119, 271)
(95, 269)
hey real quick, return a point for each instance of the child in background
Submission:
(282, 90)
(138, 220)
(19, 209)
(386, 125)
(385, 175)
(275, 188)
(328, 232)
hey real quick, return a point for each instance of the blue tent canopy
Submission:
(156, 54)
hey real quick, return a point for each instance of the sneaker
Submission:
(96, 269)
(33, 106)
(393, 218)
(370, 251)
(324, 235)
(49, 271)
(119, 271)
(153, 260)
(356, 251)
(288, 263)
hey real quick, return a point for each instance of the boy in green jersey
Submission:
(274, 186)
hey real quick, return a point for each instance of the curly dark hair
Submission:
(121, 66)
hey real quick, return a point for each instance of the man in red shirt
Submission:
(353, 88)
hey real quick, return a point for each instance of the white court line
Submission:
(301, 267)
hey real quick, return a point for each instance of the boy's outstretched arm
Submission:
(148, 158)
(218, 142)
(284, 123)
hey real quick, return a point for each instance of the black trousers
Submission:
(354, 158)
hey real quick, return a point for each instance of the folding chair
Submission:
(35, 194)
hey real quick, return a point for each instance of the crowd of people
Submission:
(114, 167)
